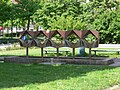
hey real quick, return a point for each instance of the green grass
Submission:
(36, 52)
(20, 52)
(107, 54)
(57, 77)
(32, 52)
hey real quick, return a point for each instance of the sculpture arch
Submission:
(30, 38)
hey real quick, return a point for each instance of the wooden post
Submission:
(27, 51)
(42, 52)
(90, 54)
(73, 53)
(57, 53)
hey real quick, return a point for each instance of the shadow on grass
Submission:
(18, 75)
(8, 55)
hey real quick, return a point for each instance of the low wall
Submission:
(85, 61)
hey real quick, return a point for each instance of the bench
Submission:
(50, 50)
(107, 48)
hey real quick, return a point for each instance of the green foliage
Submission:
(73, 38)
(108, 26)
(5, 9)
(90, 38)
(67, 23)
(57, 39)
(25, 9)
(100, 15)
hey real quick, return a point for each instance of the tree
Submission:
(53, 9)
(4, 11)
(25, 9)
(101, 15)
(67, 23)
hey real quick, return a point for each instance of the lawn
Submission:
(36, 52)
(57, 77)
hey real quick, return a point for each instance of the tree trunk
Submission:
(11, 27)
(28, 24)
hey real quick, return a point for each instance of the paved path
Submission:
(115, 87)
(116, 62)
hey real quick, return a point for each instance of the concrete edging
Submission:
(85, 61)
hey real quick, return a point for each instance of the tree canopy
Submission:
(100, 15)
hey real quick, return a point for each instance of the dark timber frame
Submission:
(80, 34)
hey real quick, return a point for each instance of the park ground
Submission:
(56, 77)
